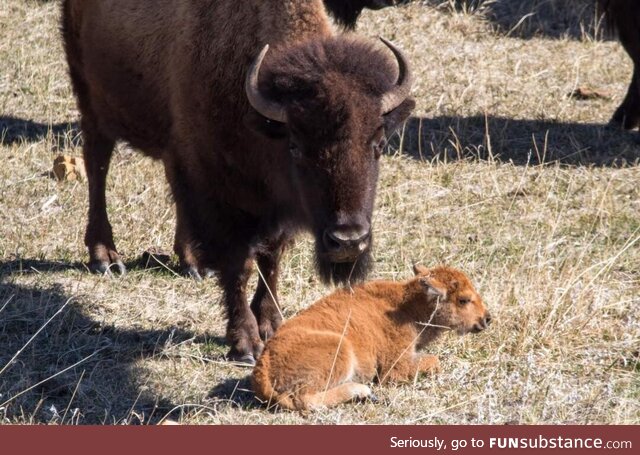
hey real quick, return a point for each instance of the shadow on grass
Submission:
(16, 130)
(557, 19)
(518, 141)
(28, 266)
(237, 392)
(163, 266)
(76, 369)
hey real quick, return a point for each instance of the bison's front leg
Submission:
(265, 301)
(97, 152)
(242, 327)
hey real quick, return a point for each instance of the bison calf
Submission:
(326, 354)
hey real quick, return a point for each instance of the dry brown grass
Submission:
(553, 247)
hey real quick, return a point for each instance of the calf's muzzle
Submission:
(482, 324)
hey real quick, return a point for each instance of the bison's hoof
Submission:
(268, 327)
(244, 360)
(193, 273)
(266, 332)
(106, 268)
(371, 398)
(362, 393)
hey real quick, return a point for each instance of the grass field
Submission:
(499, 173)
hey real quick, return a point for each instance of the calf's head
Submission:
(457, 304)
(332, 104)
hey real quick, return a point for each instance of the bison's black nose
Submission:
(346, 243)
(483, 324)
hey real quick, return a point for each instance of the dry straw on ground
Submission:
(499, 173)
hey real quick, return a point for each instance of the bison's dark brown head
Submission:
(333, 104)
(346, 12)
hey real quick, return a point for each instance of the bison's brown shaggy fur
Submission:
(624, 16)
(327, 354)
(169, 78)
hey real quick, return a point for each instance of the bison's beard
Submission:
(343, 273)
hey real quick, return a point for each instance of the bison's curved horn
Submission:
(396, 96)
(267, 108)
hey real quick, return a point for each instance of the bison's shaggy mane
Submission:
(296, 73)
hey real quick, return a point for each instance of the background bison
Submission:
(172, 83)
(346, 12)
(624, 16)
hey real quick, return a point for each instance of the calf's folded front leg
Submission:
(407, 366)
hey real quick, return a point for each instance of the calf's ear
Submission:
(394, 119)
(263, 126)
(419, 269)
(433, 288)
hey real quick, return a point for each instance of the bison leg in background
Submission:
(186, 248)
(265, 301)
(627, 115)
(625, 16)
(97, 153)
(186, 245)
(242, 327)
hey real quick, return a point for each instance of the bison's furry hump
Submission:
(299, 72)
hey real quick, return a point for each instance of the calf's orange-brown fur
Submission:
(326, 354)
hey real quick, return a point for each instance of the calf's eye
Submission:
(464, 301)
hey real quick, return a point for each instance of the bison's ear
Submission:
(433, 288)
(265, 127)
(420, 269)
(398, 116)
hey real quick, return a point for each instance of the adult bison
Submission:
(346, 12)
(256, 145)
(624, 15)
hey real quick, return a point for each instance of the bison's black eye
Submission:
(464, 301)
(295, 151)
